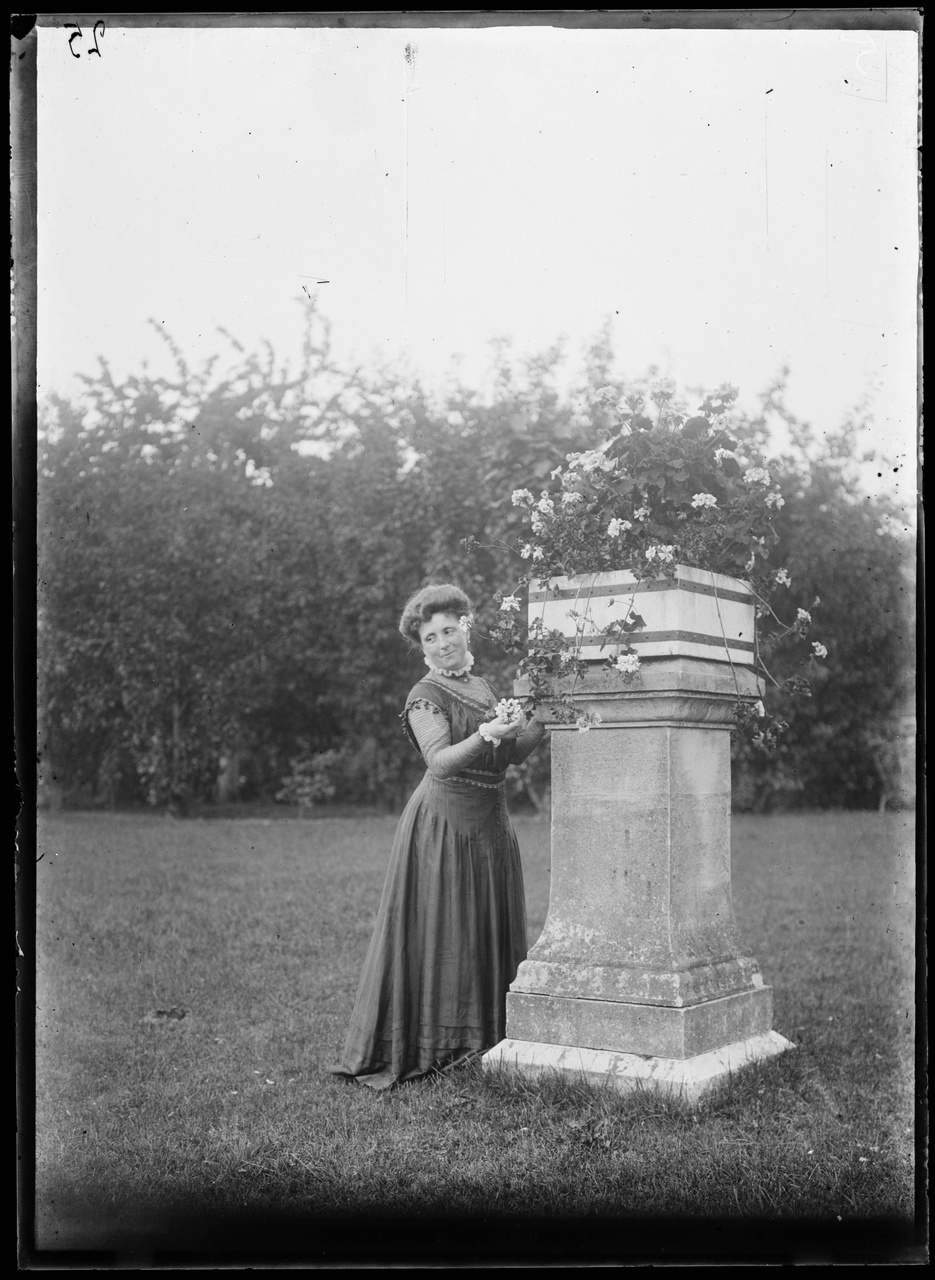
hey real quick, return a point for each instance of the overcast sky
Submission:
(732, 200)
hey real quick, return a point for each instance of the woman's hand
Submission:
(499, 729)
(516, 726)
(508, 721)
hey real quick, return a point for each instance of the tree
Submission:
(849, 552)
(224, 557)
(154, 564)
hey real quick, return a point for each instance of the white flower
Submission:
(546, 505)
(570, 498)
(704, 500)
(588, 721)
(819, 650)
(775, 499)
(641, 514)
(538, 554)
(663, 389)
(803, 615)
(556, 472)
(587, 461)
(723, 453)
(465, 622)
(535, 521)
(628, 664)
(616, 527)
(522, 498)
(760, 709)
(509, 604)
(748, 567)
(508, 709)
(526, 551)
(782, 578)
(606, 395)
(664, 555)
(756, 475)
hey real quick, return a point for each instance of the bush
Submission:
(309, 781)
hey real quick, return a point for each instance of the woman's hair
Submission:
(440, 597)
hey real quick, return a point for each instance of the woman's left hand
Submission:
(500, 729)
(516, 727)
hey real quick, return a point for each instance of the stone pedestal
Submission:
(639, 976)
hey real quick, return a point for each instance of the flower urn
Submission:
(692, 614)
(692, 631)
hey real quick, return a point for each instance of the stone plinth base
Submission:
(655, 1031)
(686, 1078)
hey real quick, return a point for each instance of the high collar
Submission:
(452, 675)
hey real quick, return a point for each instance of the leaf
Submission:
(694, 428)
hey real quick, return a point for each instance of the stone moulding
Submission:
(671, 980)
(651, 1029)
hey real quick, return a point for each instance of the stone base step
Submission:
(688, 1078)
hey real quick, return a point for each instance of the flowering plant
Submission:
(673, 488)
(547, 655)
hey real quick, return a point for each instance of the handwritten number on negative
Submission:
(76, 35)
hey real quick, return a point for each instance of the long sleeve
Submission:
(433, 734)
(528, 740)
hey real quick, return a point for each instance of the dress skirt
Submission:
(449, 936)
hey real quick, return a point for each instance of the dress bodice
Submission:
(466, 703)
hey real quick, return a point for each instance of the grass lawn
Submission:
(219, 1133)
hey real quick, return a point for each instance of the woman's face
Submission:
(444, 641)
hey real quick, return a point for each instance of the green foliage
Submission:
(655, 493)
(656, 490)
(309, 780)
(851, 553)
(224, 556)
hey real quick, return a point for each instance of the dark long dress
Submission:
(451, 927)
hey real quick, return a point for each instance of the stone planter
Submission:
(695, 614)
(639, 976)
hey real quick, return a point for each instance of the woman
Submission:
(451, 927)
